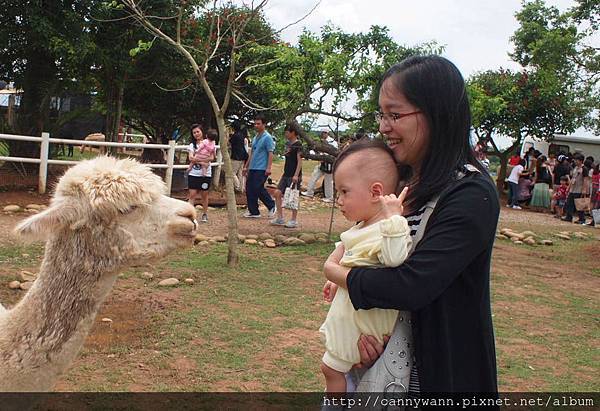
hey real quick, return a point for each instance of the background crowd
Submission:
(565, 184)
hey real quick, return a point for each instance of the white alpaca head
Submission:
(115, 213)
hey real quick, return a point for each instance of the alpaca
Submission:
(94, 137)
(106, 214)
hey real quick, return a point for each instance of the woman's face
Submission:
(408, 136)
(289, 135)
(197, 133)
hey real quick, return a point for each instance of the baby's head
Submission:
(564, 181)
(363, 172)
(212, 134)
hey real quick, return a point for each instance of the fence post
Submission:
(170, 161)
(43, 175)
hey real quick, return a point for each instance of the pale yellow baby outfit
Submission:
(385, 243)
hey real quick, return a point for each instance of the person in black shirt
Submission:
(445, 282)
(292, 175)
(238, 141)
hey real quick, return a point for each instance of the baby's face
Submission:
(353, 192)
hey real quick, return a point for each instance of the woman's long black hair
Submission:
(192, 139)
(435, 86)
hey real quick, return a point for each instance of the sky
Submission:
(476, 33)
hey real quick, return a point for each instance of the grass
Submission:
(254, 328)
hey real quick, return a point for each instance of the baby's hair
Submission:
(564, 178)
(212, 134)
(371, 164)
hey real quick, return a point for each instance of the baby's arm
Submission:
(395, 232)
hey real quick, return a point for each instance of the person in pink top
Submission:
(205, 152)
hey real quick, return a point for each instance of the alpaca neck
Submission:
(49, 325)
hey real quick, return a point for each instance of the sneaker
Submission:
(204, 218)
(580, 222)
(247, 214)
(291, 224)
(327, 200)
(516, 207)
(272, 212)
(307, 194)
(277, 221)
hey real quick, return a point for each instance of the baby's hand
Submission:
(392, 205)
(329, 291)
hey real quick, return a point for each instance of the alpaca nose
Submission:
(188, 212)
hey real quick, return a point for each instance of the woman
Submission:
(579, 187)
(199, 177)
(540, 197)
(292, 175)
(445, 282)
(595, 193)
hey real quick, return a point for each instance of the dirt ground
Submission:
(129, 304)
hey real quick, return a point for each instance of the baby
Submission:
(204, 153)
(366, 177)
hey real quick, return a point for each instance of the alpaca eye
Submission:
(129, 210)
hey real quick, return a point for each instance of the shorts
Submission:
(561, 203)
(285, 182)
(199, 183)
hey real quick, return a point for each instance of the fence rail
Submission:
(44, 161)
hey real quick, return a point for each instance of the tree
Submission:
(43, 47)
(220, 40)
(560, 45)
(326, 70)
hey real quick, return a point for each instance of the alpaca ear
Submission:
(40, 226)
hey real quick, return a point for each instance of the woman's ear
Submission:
(376, 190)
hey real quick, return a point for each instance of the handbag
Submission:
(291, 197)
(596, 216)
(582, 204)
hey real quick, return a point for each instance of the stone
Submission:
(307, 238)
(241, 238)
(270, 244)
(13, 208)
(211, 241)
(146, 275)
(26, 285)
(264, 236)
(200, 238)
(251, 237)
(518, 242)
(562, 236)
(169, 282)
(32, 211)
(322, 240)
(14, 285)
(516, 236)
(107, 320)
(529, 234)
(501, 237)
(33, 206)
(505, 231)
(27, 276)
(293, 241)
(219, 239)
(546, 242)
(529, 241)
(203, 244)
(189, 281)
(280, 238)
(251, 241)
(261, 243)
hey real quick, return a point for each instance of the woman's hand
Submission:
(370, 350)
(329, 290)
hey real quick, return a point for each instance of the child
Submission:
(204, 153)
(366, 189)
(559, 199)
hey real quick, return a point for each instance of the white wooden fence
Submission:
(45, 141)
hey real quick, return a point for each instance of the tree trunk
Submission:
(502, 172)
(232, 242)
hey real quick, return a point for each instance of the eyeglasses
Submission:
(392, 117)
